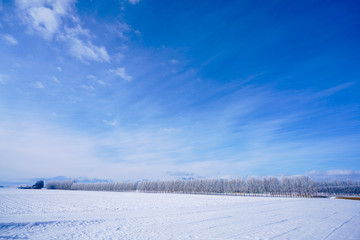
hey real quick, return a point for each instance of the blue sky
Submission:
(135, 89)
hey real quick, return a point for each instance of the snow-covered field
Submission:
(56, 214)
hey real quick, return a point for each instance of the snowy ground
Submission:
(56, 214)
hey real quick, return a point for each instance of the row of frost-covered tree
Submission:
(106, 186)
(300, 186)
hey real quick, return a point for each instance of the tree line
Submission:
(38, 185)
(299, 186)
(105, 186)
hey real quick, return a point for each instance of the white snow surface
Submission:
(61, 214)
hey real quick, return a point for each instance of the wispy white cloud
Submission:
(223, 141)
(333, 90)
(93, 78)
(38, 84)
(44, 17)
(113, 123)
(47, 18)
(75, 31)
(87, 87)
(174, 61)
(59, 69)
(41, 150)
(85, 51)
(134, 1)
(10, 39)
(119, 29)
(80, 48)
(35, 148)
(121, 72)
(56, 80)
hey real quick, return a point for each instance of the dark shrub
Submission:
(38, 185)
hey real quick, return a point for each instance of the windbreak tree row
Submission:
(63, 185)
(299, 186)
(107, 186)
(270, 186)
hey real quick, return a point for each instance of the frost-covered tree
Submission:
(63, 185)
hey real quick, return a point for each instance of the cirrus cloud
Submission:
(121, 72)
(10, 40)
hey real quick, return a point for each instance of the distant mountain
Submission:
(330, 175)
